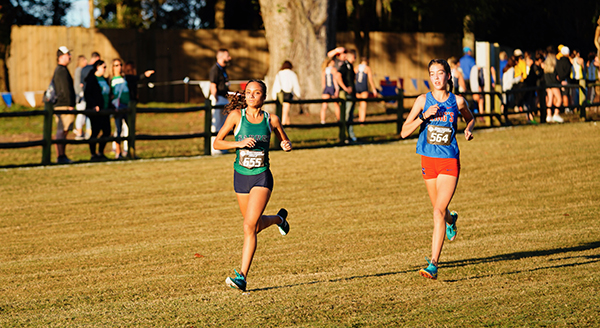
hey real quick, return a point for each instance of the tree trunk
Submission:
(220, 14)
(296, 31)
(92, 19)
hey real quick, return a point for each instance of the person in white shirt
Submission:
(286, 81)
(508, 81)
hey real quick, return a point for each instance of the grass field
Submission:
(149, 243)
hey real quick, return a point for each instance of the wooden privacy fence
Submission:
(46, 142)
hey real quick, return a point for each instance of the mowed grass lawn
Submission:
(150, 243)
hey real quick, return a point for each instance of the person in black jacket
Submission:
(563, 70)
(65, 93)
(345, 79)
(97, 97)
(534, 78)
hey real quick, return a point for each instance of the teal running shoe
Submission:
(451, 228)
(238, 282)
(430, 271)
(284, 226)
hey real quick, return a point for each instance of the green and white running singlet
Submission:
(256, 160)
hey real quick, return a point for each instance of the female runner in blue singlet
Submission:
(253, 181)
(436, 113)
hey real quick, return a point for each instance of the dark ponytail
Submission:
(446, 66)
(237, 100)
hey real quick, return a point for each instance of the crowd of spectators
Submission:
(92, 90)
(568, 79)
(561, 71)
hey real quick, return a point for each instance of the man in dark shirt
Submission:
(219, 86)
(345, 79)
(81, 119)
(563, 70)
(65, 100)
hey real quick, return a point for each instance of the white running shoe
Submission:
(557, 118)
(549, 119)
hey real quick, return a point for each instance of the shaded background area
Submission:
(176, 54)
(354, 23)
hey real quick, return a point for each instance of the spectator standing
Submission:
(345, 79)
(339, 56)
(97, 97)
(121, 96)
(330, 88)
(508, 81)
(219, 87)
(520, 65)
(535, 74)
(553, 98)
(520, 72)
(591, 76)
(577, 77)
(563, 70)
(503, 57)
(85, 71)
(466, 63)
(132, 79)
(65, 100)
(286, 81)
(458, 76)
(477, 81)
(364, 78)
(80, 118)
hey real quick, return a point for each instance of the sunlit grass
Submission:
(115, 244)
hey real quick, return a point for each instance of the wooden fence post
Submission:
(542, 97)
(400, 111)
(582, 104)
(131, 117)
(207, 126)
(47, 148)
(343, 97)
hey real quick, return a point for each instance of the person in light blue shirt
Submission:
(466, 63)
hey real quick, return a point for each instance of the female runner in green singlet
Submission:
(253, 181)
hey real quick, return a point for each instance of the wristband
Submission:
(421, 117)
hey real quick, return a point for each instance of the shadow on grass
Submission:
(531, 254)
(462, 263)
(523, 255)
(335, 280)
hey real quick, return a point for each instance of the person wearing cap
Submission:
(466, 63)
(520, 65)
(65, 100)
(563, 70)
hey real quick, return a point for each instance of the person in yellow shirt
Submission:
(520, 66)
(520, 75)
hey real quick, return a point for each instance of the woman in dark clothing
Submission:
(97, 97)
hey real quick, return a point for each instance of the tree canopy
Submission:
(511, 23)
